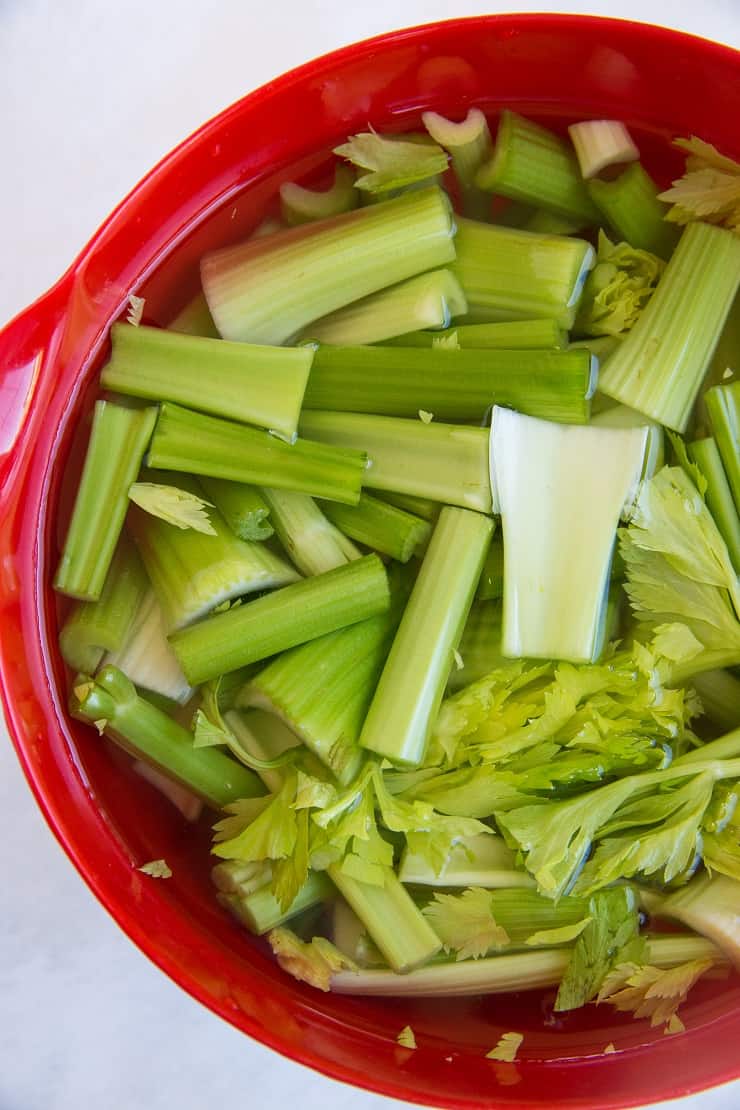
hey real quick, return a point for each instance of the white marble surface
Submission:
(92, 95)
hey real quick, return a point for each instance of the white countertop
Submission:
(93, 94)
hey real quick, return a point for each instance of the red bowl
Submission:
(209, 191)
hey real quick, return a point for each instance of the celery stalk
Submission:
(723, 406)
(479, 650)
(260, 291)
(508, 274)
(265, 737)
(255, 385)
(601, 143)
(491, 585)
(410, 689)
(146, 657)
(241, 506)
(631, 207)
(205, 445)
(290, 616)
(705, 453)
(469, 146)
(118, 440)
(259, 910)
(419, 506)
(549, 223)
(719, 692)
(480, 861)
(194, 319)
(384, 527)
(659, 367)
(620, 416)
(453, 385)
(310, 539)
(444, 462)
(299, 205)
(111, 701)
(508, 334)
(94, 627)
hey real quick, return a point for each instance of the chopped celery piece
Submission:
(632, 209)
(290, 616)
(560, 491)
(451, 384)
(350, 936)
(312, 542)
(241, 506)
(264, 737)
(719, 692)
(392, 919)
(419, 506)
(426, 301)
(259, 910)
(94, 627)
(149, 734)
(602, 346)
(194, 319)
(659, 367)
(327, 717)
(118, 439)
(394, 161)
(705, 454)
(444, 462)
(617, 289)
(469, 146)
(480, 861)
(205, 445)
(384, 527)
(299, 205)
(508, 274)
(509, 334)
(258, 293)
(601, 143)
(533, 165)
(410, 689)
(491, 585)
(192, 573)
(479, 650)
(146, 657)
(252, 384)
(710, 905)
(620, 416)
(480, 920)
(723, 406)
(549, 223)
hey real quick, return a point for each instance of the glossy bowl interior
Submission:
(212, 190)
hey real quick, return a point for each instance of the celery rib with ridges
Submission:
(659, 367)
(507, 334)
(145, 655)
(631, 207)
(310, 539)
(283, 619)
(723, 406)
(299, 205)
(706, 455)
(383, 527)
(252, 384)
(480, 861)
(469, 145)
(442, 462)
(206, 445)
(259, 911)
(508, 274)
(453, 385)
(411, 686)
(242, 507)
(118, 439)
(258, 293)
(110, 700)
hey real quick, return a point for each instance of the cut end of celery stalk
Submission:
(299, 205)
(600, 143)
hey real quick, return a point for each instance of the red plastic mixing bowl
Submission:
(212, 190)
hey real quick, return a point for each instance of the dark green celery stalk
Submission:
(310, 539)
(491, 585)
(242, 507)
(118, 440)
(419, 506)
(705, 453)
(290, 616)
(259, 910)
(411, 686)
(256, 385)
(94, 627)
(723, 406)
(508, 334)
(719, 692)
(195, 319)
(479, 650)
(200, 444)
(444, 462)
(452, 384)
(384, 527)
(630, 205)
(111, 702)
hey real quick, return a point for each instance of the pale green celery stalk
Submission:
(723, 406)
(419, 506)
(191, 572)
(469, 145)
(179, 796)
(259, 910)
(241, 506)
(443, 462)
(542, 967)
(146, 657)
(725, 747)
(452, 384)
(602, 346)
(327, 715)
(293, 615)
(630, 206)
(659, 367)
(710, 905)
(508, 274)
(236, 877)
(410, 689)
(311, 541)
(252, 384)
(118, 439)
(392, 919)
(384, 527)
(350, 936)
(258, 291)
(195, 319)
(94, 627)
(480, 861)
(706, 455)
(509, 334)
(620, 416)
(265, 737)
(521, 912)
(600, 144)
(205, 445)
(299, 205)
(719, 692)
(550, 223)
(560, 490)
(533, 165)
(111, 702)
(479, 651)
(491, 585)
(428, 300)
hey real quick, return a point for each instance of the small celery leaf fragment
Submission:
(394, 161)
(507, 1048)
(135, 310)
(311, 962)
(175, 506)
(617, 289)
(651, 992)
(157, 868)
(406, 1037)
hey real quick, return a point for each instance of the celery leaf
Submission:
(176, 506)
(406, 1037)
(465, 923)
(610, 937)
(156, 868)
(709, 189)
(651, 992)
(311, 962)
(617, 289)
(507, 1048)
(394, 161)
